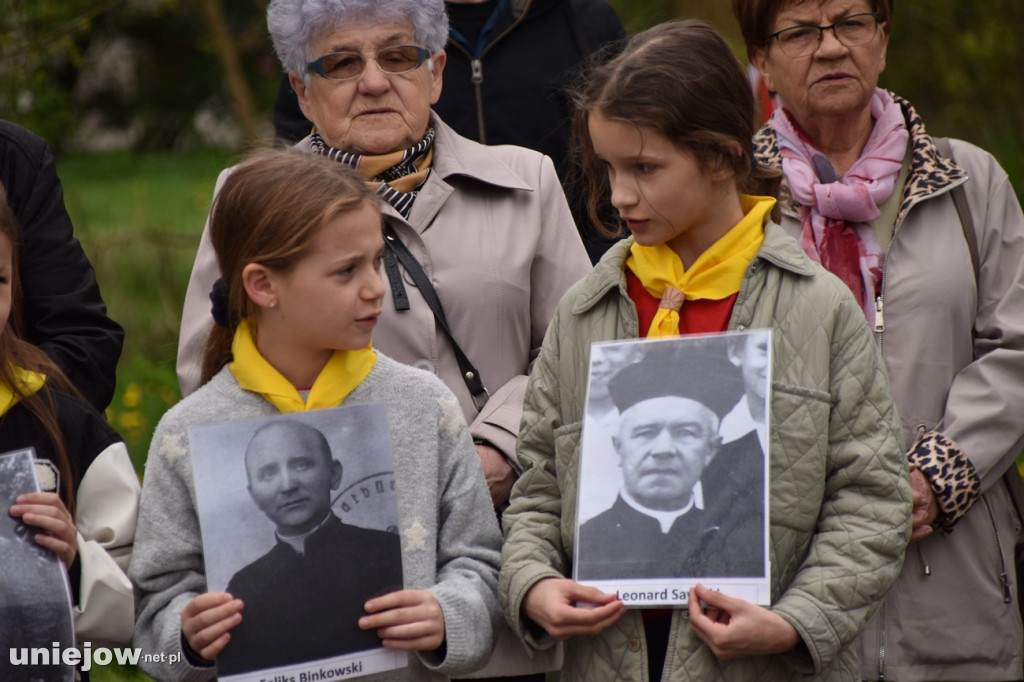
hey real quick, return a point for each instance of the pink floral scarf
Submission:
(835, 211)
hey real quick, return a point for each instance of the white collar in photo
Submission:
(298, 542)
(666, 518)
(739, 423)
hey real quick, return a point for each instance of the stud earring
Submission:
(272, 304)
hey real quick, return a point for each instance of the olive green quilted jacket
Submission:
(839, 496)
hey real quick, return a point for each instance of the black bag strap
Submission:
(474, 382)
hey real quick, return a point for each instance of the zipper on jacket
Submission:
(1004, 581)
(880, 299)
(476, 66)
(881, 643)
(926, 569)
(477, 77)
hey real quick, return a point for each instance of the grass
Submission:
(139, 217)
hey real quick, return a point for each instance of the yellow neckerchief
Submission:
(343, 372)
(716, 274)
(372, 166)
(28, 381)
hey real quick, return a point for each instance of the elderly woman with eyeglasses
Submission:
(488, 227)
(929, 236)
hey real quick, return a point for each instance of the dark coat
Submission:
(624, 543)
(307, 607)
(526, 63)
(63, 312)
(735, 478)
(87, 434)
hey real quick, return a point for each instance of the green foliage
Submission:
(39, 50)
(173, 71)
(637, 15)
(139, 217)
(960, 62)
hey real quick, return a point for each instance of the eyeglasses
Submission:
(851, 31)
(343, 66)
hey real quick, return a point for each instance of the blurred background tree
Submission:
(958, 61)
(137, 74)
(163, 74)
(144, 101)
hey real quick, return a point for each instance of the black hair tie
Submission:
(219, 298)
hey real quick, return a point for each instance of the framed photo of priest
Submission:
(35, 595)
(673, 486)
(299, 520)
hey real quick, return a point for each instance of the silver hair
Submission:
(295, 24)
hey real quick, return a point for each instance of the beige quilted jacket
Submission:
(840, 500)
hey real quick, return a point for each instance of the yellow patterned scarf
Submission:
(371, 167)
(716, 274)
(393, 176)
(28, 381)
(343, 372)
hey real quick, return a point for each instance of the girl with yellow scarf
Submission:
(665, 131)
(299, 241)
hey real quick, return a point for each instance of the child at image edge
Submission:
(298, 238)
(666, 132)
(86, 509)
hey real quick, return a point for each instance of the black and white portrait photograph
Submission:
(299, 520)
(35, 596)
(673, 468)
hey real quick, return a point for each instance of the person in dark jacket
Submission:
(63, 313)
(509, 62)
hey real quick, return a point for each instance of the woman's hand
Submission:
(499, 474)
(206, 620)
(46, 511)
(408, 619)
(734, 628)
(550, 603)
(926, 507)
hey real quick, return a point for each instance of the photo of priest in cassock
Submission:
(687, 506)
(275, 534)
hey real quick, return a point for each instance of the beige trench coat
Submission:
(492, 229)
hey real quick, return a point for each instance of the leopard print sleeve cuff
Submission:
(951, 474)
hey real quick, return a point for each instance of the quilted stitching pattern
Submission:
(839, 491)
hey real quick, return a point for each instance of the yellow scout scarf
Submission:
(28, 381)
(343, 372)
(716, 274)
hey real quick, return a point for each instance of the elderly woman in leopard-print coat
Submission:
(871, 196)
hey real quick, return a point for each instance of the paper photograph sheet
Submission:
(673, 468)
(300, 521)
(35, 596)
